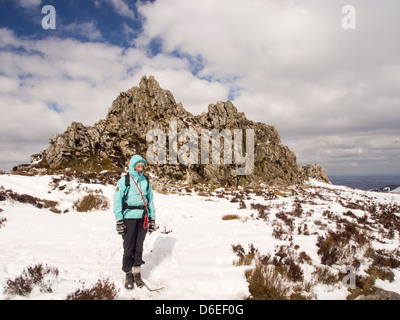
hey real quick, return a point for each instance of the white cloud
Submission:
(38, 79)
(86, 29)
(194, 93)
(8, 85)
(294, 65)
(120, 7)
(29, 3)
(363, 153)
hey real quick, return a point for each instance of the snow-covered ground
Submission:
(397, 190)
(190, 254)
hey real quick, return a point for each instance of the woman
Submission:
(135, 214)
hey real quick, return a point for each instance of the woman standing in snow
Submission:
(135, 214)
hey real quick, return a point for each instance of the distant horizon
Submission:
(396, 175)
(366, 182)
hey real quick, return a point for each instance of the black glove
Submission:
(121, 227)
(152, 225)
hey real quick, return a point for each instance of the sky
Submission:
(327, 78)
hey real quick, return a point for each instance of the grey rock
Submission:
(111, 142)
(381, 294)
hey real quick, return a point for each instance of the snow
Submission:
(190, 254)
(397, 190)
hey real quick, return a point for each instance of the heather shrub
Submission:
(266, 284)
(297, 210)
(325, 275)
(274, 278)
(102, 290)
(341, 247)
(230, 217)
(286, 219)
(2, 221)
(381, 273)
(384, 259)
(285, 263)
(91, 202)
(261, 209)
(38, 275)
(242, 205)
(364, 286)
(244, 258)
(304, 258)
(28, 199)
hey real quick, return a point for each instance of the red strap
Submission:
(146, 217)
(146, 221)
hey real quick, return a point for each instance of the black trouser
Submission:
(133, 244)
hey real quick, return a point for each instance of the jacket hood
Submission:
(135, 159)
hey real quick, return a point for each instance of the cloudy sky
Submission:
(331, 92)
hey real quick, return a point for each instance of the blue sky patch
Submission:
(51, 105)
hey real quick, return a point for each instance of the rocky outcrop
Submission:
(381, 294)
(314, 171)
(110, 143)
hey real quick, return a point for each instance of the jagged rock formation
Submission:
(111, 142)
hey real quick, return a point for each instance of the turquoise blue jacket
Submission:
(134, 197)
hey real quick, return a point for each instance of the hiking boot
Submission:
(137, 278)
(129, 281)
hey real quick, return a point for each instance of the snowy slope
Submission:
(190, 254)
(397, 190)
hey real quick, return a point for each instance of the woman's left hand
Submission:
(152, 225)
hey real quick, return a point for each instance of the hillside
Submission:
(210, 244)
